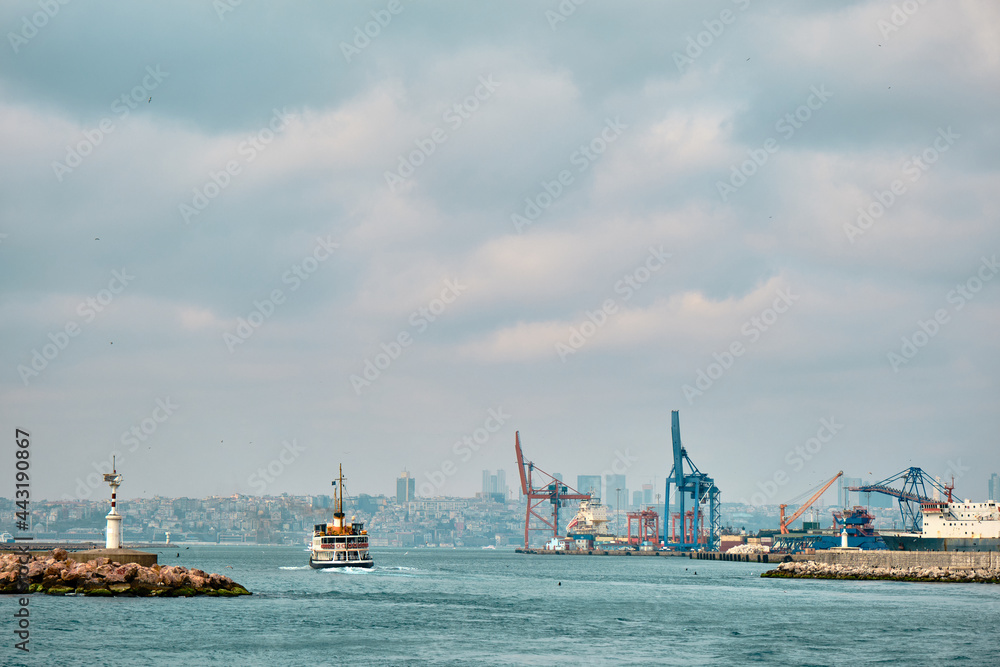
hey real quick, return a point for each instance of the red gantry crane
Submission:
(550, 489)
(784, 524)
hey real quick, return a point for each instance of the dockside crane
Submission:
(550, 490)
(695, 486)
(783, 524)
(911, 496)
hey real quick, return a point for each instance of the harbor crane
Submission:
(697, 487)
(911, 496)
(783, 524)
(550, 490)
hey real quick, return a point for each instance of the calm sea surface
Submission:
(474, 606)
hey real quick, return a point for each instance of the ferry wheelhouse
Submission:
(340, 544)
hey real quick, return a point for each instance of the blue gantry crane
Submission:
(696, 487)
(910, 496)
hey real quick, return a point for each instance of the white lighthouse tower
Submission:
(114, 530)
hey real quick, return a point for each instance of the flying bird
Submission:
(149, 100)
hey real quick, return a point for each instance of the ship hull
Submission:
(327, 564)
(920, 543)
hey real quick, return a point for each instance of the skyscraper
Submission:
(589, 484)
(994, 487)
(405, 488)
(612, 483)
(495, 485)
(847, 498)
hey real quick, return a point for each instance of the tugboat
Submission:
(340, 544)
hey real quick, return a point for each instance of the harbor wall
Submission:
(955, 560)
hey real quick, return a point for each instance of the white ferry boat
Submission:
(951, 526)
(340, 544)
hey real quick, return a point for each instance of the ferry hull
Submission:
(326, 564)
(920, 543)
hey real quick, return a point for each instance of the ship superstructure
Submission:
(340, 543)
(952, 526)
(591, 520)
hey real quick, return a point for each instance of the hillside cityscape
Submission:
(493, 517)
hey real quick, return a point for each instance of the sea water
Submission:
(475, 607)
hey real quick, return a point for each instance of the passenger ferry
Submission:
(340, 544)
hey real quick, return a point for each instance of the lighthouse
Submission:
(114, 530)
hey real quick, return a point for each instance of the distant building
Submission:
(589, 484)
(636, 499)
(647, 494)
(405, 488)
(558, 475)
(495, 485)
(847, 498)
(994, 487)
(612, 485)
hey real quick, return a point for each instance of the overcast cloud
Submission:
(227, 227)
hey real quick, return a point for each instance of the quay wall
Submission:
(954, 560)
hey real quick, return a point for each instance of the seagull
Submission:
(97, 238)
(149, 100)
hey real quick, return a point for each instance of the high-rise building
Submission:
(589, 484)
(994, 487)
(847, 498)
(495, 485)
(612, 485)
(647, 494)
(405, 488)
(636, 499)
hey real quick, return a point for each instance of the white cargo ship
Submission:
(952, 526)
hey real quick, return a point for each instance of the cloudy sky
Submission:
(240, 237)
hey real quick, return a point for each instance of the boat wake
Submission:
(294, 567)
(346, 570)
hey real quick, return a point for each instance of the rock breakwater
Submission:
(55, 574)
(814, 570)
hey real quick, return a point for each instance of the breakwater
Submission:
(58, 574)
(818, 570)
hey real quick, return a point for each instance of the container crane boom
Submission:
(784, 524)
